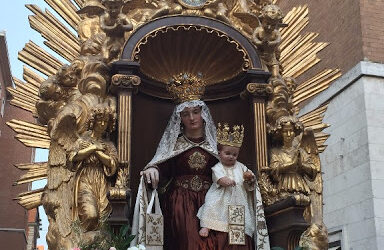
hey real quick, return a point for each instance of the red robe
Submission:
(191, 177)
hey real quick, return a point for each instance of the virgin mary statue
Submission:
(181, 171)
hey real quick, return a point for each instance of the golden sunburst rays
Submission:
(315, 85)
(67, 10)
(30, 134)
(299, 54)
(314, 120)
(25, 96)
(80, 3)
(60, 37)
(30, 199)
(35, 171)
(39, 59)
(298, 51)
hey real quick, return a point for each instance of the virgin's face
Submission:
(191, 119)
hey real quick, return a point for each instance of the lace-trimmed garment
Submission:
(221, 197)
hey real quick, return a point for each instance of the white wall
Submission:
(374, 103)
(353, 162)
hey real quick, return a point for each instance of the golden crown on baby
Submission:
(226, 137)
(186, 87)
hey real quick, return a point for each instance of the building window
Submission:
(335, 239)
(2, 106)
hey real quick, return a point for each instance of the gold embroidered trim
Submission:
(195, 184)
(197, 161)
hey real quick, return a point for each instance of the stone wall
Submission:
(354, 159)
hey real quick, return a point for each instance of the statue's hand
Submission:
(151, 175)
(84, 144)
(290, 165)
(99, 147)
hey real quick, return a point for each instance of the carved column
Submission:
(258, 94)
(124, 86)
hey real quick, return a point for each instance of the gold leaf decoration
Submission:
(314, 119)
(35, 171)
(30, 134)
(30, 199)
(39, 59)
(58, 37)
(67, 10)
(298, 55)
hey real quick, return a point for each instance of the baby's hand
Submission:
(226, 182)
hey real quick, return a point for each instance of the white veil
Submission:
(166, 148)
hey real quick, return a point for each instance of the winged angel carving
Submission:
(80, 114)
(76, 112)
(295, 166)
(80, 161)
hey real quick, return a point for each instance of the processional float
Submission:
(107, 105)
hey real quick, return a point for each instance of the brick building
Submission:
(33, 228)
(13, 218)
(353, 163)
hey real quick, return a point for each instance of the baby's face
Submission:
(228, 155)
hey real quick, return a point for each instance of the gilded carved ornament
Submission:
(64, 102)
(79, 111)
(242, 14)
(125, 82)
(153, 51)
(315, 238)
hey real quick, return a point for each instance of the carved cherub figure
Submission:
(267, 37)
(163, 7)
(58, 90)
(217, 10)
(90, 21)
(114, 23)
